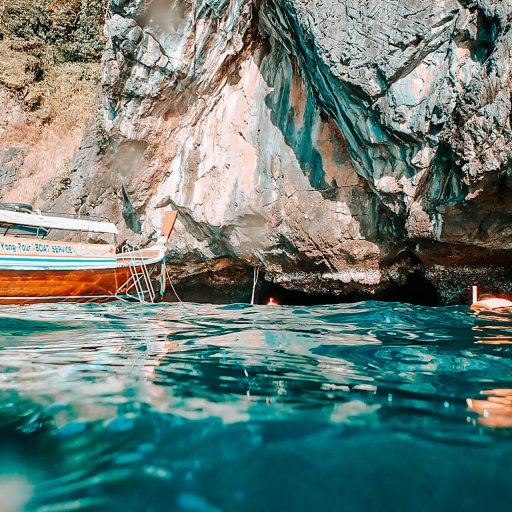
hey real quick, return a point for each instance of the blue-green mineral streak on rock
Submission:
(298, 130)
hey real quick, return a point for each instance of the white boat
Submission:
(34, 269)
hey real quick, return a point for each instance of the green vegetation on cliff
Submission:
(72, 28)
(50, 53)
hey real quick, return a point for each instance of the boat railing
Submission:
(84, 216)
(27, 208)
(20, 219)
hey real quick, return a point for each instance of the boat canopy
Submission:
(39, 220)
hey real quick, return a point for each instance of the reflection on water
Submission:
(207, 408)
(493, 328)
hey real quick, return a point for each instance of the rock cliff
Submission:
(352, 146)
(49, 71)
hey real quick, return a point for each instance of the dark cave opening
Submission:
(416, 290)
(220, 289)
(286, 297)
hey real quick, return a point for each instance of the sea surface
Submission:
(197, 408)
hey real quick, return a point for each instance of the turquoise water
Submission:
(198, 408)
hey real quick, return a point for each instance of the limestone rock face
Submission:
(10, 161)
(339, 146)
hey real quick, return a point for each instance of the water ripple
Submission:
(194, 407)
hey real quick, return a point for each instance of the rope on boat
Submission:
(168, 275)
(255, 282)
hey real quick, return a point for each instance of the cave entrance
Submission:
(234, 285)
(416, 290)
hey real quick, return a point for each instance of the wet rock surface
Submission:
(340, 147)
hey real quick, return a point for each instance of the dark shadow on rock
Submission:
(130, 215)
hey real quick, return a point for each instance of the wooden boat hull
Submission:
(66, 285)
(34, 270)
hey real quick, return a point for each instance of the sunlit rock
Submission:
(308, 138)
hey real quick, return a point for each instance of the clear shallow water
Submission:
(200, 408)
